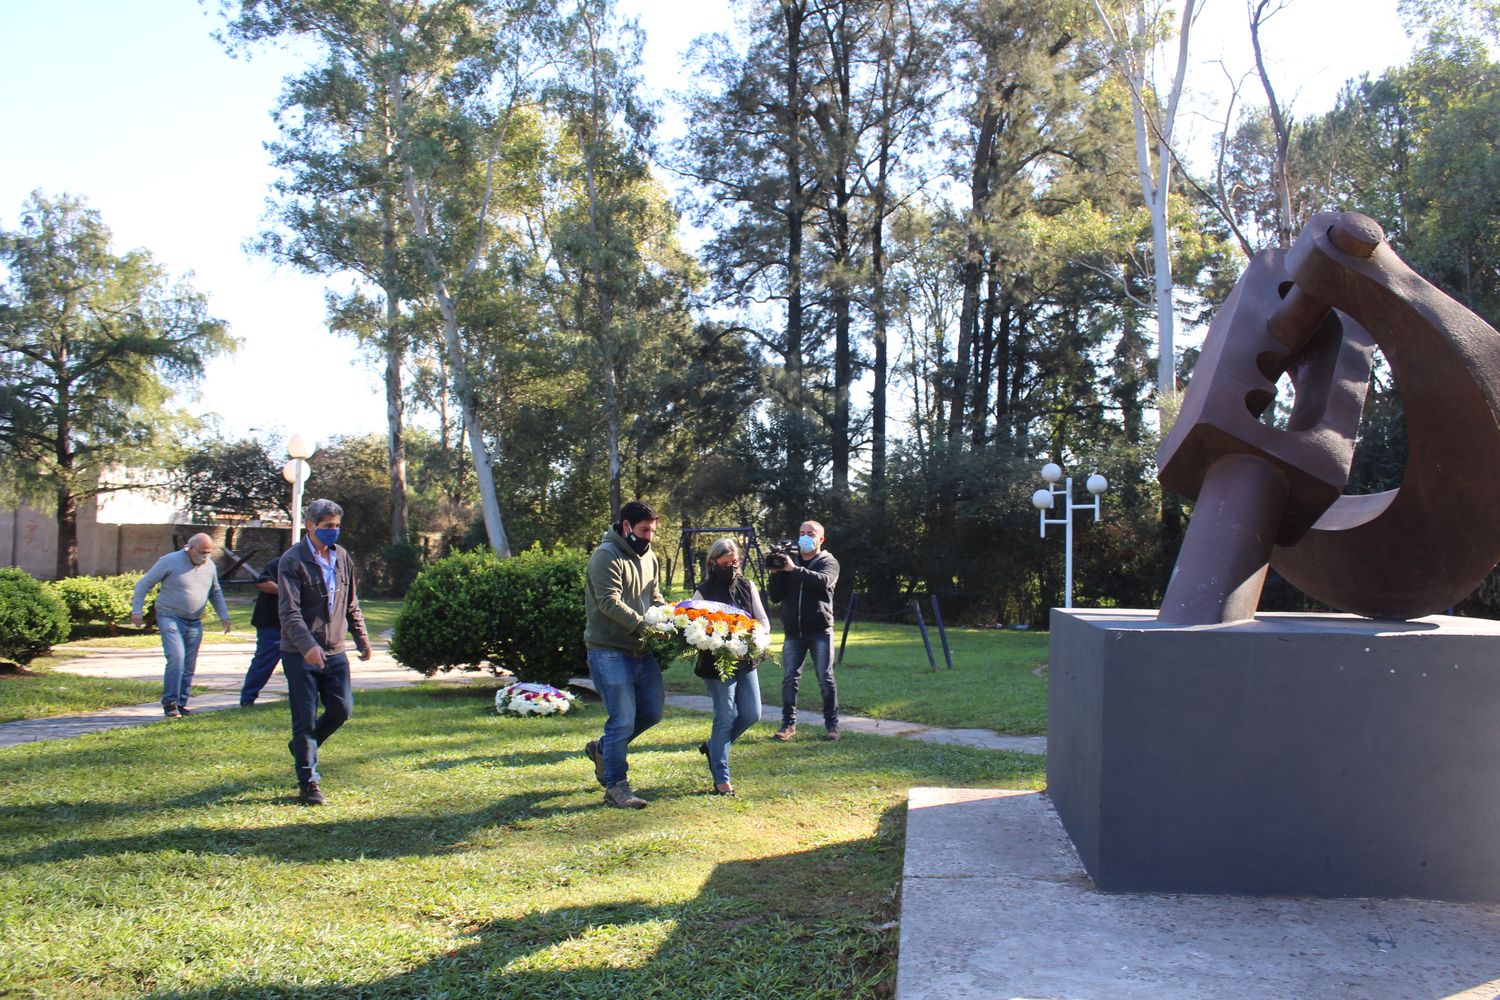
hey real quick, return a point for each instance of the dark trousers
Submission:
(262, 664)
(305, 687)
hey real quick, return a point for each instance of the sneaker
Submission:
(620, 796)
(786, 732)
(311, 795)
(184, 710)
(832, 733)
(171, 710)
(591, 750)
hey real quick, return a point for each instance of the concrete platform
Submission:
(996, 904)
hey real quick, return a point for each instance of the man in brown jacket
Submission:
(318, 609)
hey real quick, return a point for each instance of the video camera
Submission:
(780, 556)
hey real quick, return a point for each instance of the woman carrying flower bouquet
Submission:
(737, 700)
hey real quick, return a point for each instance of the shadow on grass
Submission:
(311, 839)
(809, 924)
(89, 810)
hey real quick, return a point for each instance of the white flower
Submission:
(715, 643)
(760, 639)
(695, 633)
(739, 648)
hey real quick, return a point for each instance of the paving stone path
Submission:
(221, 669)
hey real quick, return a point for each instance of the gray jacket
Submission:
(302, 600)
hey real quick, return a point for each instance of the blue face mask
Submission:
(806, 543)
(328, 536)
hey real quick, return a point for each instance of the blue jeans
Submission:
(736, 709)
(793, 650)
(262, 664)
(633, 700)
(305, 685)
(180, 638)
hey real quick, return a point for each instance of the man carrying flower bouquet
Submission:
(804, 589)
(620, 588)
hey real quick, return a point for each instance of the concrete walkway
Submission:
(983, 739)
(221, 669)
(995, 903)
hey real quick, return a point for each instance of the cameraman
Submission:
(804, 588)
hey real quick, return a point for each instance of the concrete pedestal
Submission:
(1325, 755)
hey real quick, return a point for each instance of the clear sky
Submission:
(134, 107)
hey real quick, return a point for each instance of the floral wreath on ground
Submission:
(533, 699)
(733, 637)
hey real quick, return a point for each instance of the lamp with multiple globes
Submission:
(1046, 499)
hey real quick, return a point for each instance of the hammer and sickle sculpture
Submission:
(1268, 497)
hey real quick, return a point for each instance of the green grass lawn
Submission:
(998, 680)
(462, 855)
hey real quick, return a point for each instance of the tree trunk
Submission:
(67, 531)
(395, 353)
(880, 319)
(494, 526)
(796, 446)
(1282, 129)
(973, 268)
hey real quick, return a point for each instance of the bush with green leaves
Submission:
(473, 610)
(94, 599)
(33, 618)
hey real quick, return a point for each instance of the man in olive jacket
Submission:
(317, 606)
(621, 586)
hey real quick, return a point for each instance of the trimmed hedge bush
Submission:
(33, 619)
(105, 599)
(471, 610)
(94, 599)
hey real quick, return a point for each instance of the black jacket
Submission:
(805, 593)
(743, 595)
(266, 614)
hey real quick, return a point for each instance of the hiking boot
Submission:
(591, 750)
(620, 796)
(171, 711)
(786, 732)
(832, 733)
(311, 795)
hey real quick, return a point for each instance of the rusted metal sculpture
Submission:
(1268, 497)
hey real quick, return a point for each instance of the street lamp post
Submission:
(1043, 500)
(295, 471)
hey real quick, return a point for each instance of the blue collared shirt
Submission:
(330, 571)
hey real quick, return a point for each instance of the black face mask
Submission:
(724, 574)
(640, 546)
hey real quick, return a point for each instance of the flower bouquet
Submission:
(532, 699)
(730, 634)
